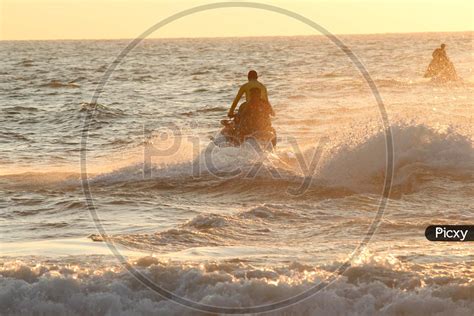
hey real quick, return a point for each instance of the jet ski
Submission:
(231, 135)
(252, 125)
(441, 71)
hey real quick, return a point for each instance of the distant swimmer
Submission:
(245, 89)
(441, 68)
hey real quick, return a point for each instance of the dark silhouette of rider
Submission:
(440, 67)
(439, 54)
(245, 89)
(254, 116)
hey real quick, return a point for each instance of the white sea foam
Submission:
(361, 166)
(373, 287)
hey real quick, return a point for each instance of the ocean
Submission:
(234, 228)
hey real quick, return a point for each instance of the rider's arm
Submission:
(272, 113)
(266, 96)
(236, 101)
(444, 55)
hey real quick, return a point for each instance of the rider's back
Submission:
(254, 84)
(255, 117)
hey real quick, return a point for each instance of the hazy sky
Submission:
(110, 19)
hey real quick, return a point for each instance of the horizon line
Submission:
(226, 37)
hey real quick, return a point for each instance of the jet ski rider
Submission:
(245, 89)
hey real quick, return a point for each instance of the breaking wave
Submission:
(372, 286)
(258, 226)
(347, 166)
(421, 154)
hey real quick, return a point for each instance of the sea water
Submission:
(234, 227)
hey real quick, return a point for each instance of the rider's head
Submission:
(443, 46)
(252, 75)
